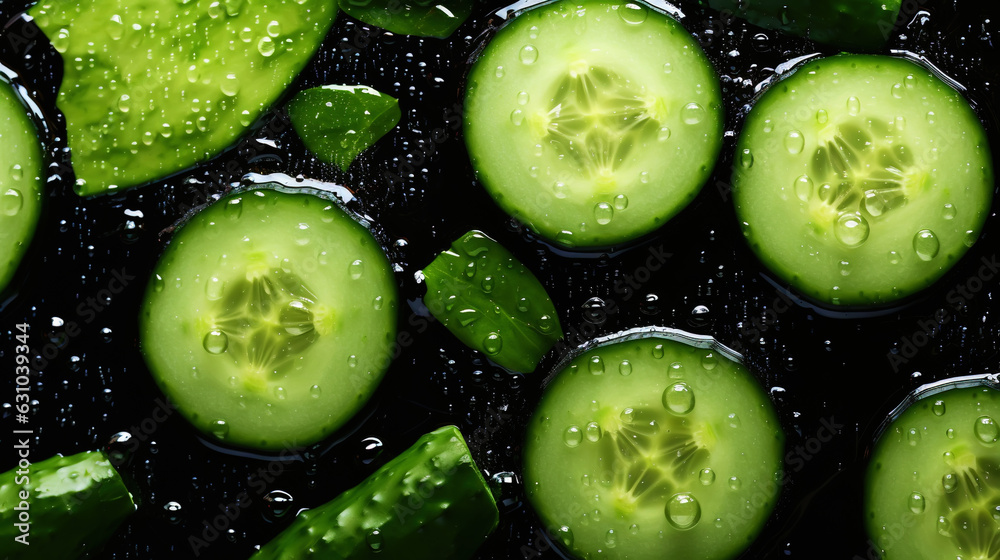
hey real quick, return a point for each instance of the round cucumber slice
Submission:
(933, 483)
(269, 318)
(21, 183)
(593, 122)
(861, 180)
(649, 447)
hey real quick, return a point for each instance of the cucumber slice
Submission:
(21, 185)
(428, 503)
(933, 484)
(72, 507)
(609, 119)
(850, 24)
(652, 448)
(861, 180)
(269, 319)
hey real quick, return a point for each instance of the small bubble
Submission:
(492, 344)
(822, 116)
(709, 361)
(803, 188)
(734, 483)
(912, 436)
(910, 81)
(706, 476)
(315, 391)
(931, 117)
(356, 269)
(678, 398)
(683, 511)
(215, 342)
(12, 202)
(897, 91)
(893, 257)
(278, 503)
(938, 408)
(746, 158)
(609, 539)
(517, 117)
(625, 368)
(851, 229)
(528, 54)
(352, 361)
(565, 534)
(970, 237)
(487, 284)
(593, 432)
(917, 503)
(596, 365)
(692, 113)
(949, 482)
(664, 134)
(950, 433)
(794, 142)
(987, 430)
(499, 72)
(943, 526)
(926, 244)
(265, 46)
(375, 540)
(219, 429)
(948, 212)
(274, 28)
(173, 511)
(523, 97)
(734, 420)
(572, 436)
(603, 213)
(627, 416)
(658, 351)
(853, 106)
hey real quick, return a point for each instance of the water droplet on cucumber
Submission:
(926, 244)
(678, 398)
(851, 229)
(987, 430)
(683, 511)
(572, 436)
(215, 342)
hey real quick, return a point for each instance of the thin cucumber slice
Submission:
(269, 319)
(933, 483)
(21, 183)
(428, 503)
(491, 302)
(593, 122)
(153, 87)
(652, 448)
(62, 507)
(861, 180)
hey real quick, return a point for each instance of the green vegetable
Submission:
(428, 503)
(848, 24)
(933, 482)
(153, 87)
(593, 122)
(428, 18)
(72, 506)
(21, 183)
(649, 448)
(491, 302)
(336, 123)
(860, 180)
(270, 318)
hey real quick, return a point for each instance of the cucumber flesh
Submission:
(593, 122)
(428, 503)
(74, 505)
(933, 483)
(857, 25)
(20, 181)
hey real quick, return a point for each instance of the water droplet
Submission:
(627, 416)
(609, 539)
(356, 269)
(917, 502)
(926, 244)
(523, 305)
(851, 229)
(944, 526)
(938, 408)
(523, 97)
(633, 14)
(664, 134)
(487, 284)
(930, 117)
(678, 398)
(371, 448)
(352, 361)
(492, 344)
(375, 540)
(987, 430)
(900, 122)
(596, 365)
(734, 483)
(950, 433)
(265, 46)
(897, 91)
(603, 213)
(949, 482)
(734, 420)
(572, 436)
(499, 72)
(565, 534)
(625, 368)
(516, 117)
(683, 511)
(315, 391)
(709, 361)
(706, 476)
(822, 116)
(692, 113)
(215, 342)
(545, 323)
(12, 202)
(794, 142)
(280, 393)
(173, 511)
(528, 54)
(621, 202)
(949, 212)
(667, 68)
(273, 28)
(593, 432)
(746, 158)
(803, 188)
(658, 351)
(219, 429)
(853, 106)
(230, 85)
(912, 436)
(278, 503)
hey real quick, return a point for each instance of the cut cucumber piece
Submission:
(850, 24)
(491, 302)
(651, 448)
(270, 318)
(933, 483)
(21, 184)
(428, 503)
(438, 18)
(72, 506)
(152, 87)
(861, 180)
(593, 122)
(336, 123)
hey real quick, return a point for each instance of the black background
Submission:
(845, 369)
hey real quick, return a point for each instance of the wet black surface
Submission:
(820, 370)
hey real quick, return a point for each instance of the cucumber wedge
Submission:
(73, 505)
(429, 503)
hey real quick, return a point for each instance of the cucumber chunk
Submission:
(428, 503)
(593, 122)
(851, 25)
(651, 448)
(438, 18)
(933, 484)
(21, 185)
(491, 302)
(269, 318)
(74, 504)
(860, 180)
